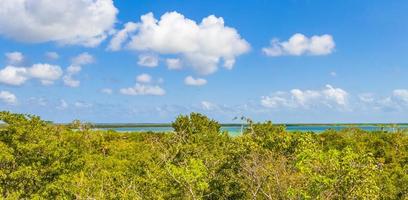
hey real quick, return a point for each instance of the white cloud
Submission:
(46, 73)
(8, 97)
(107, 91)
(229, 63)
(203, 46)
(16, 76)
(141, 89)
(336, 95)
(71, 82)
(11, 75)
(76, 67)
(299, 44)
(143, 86)
(276, 100)
(83, 22)
(83, 59)
(14, 57)
(401, 95)
(144, 78)
(68, 77)
(304, 98)
(52, 55)
(330, 97)
(366, 97)
(148, 60)
(396, 101)
(189, 80)
(174, 63)
(121, 36)
(80, 104)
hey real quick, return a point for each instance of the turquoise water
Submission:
(237, 129)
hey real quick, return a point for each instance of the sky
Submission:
(292, 61)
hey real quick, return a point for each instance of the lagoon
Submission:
(236, 128)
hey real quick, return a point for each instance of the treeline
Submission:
(39, 160)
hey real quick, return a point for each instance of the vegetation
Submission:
(39, 160)
(138, 125)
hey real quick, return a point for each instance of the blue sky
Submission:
(148, 61)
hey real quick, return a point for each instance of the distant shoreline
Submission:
(141, 125)
(131, 125)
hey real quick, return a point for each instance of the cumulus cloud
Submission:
(203, 46)
(11, 75)
(81, 104)
(142, 87)
(189, 80)
(299, 44)
(83, 59)
(276, 100)
(174, 63)
(336, 95)
(396, 101)
(401, 95)
(37, 21)
(16, 76)
(121, 36)
(75, 68)
(329, 96)
(144, 78)
(148, 60)
(14, 57)
(52, 55)
(366, 97)
(304, 98)
(8, 97)
(46, 73)
(70, 81)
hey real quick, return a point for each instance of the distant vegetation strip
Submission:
(138, 125)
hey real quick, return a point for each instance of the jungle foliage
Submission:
(39, 160)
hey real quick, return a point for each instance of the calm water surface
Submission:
(237, 129)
